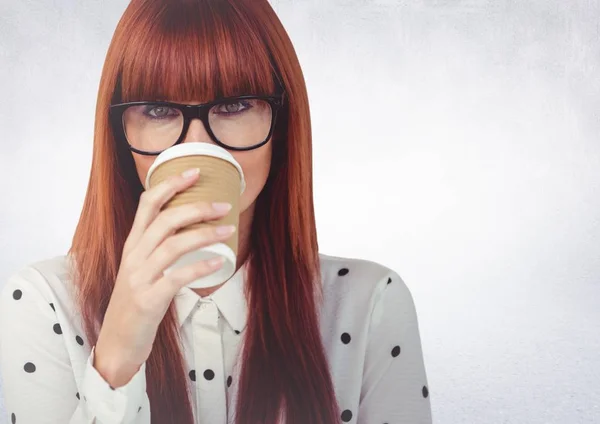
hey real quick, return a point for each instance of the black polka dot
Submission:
(77, 394)
(139, 409)
(346, 415)
(13, 418)
(341, 273)
(237, 331)
(425, 391)
(52, 306)
(346, 338)
(29, 367)
(17, 294)
(193, 375)
(396, 351)
(389, 280)
(209, 374)
(79, 340)
(229, 380)
(57, 329)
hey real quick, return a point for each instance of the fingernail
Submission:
(221, 207)
(190, 173)
(223, 230)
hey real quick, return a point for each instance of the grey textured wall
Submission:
(471, 167)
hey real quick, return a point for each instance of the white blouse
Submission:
(368, 326)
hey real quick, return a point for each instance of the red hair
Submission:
(198, 50)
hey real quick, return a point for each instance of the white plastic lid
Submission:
(193, 149)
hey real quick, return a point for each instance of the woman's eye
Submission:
(160, 111)
(233, 107)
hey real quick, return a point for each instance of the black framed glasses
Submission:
(235, 123)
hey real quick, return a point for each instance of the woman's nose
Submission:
(197, 133)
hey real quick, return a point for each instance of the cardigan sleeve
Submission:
(39, 382)
(394, 388)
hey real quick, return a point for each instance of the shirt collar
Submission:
(230, 299)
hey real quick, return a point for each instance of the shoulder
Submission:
(359, 277)
(361, 290)
(371, 336)
(46, 281)
(40, 326)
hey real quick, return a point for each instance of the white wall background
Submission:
(456, 141)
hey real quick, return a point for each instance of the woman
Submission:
(103, 336)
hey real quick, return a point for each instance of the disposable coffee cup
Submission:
(221, 180)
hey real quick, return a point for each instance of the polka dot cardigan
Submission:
(368, 324)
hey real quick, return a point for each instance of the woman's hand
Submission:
(142, 294)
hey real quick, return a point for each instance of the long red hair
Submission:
(199, 50)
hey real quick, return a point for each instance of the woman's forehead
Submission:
(195, 100)
(205, 92)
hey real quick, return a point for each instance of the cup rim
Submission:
(194, 149)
